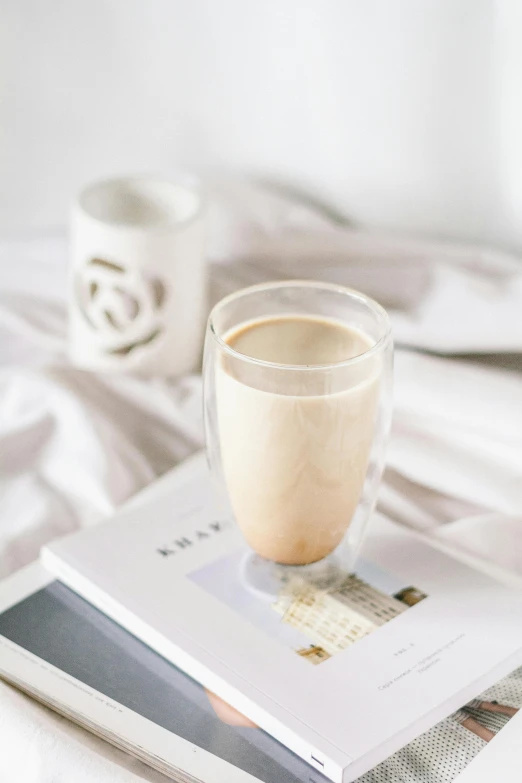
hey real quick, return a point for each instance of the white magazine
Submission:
(171, 570)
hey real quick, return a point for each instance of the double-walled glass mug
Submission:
(297, 388)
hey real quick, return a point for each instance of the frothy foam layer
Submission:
(298, 340)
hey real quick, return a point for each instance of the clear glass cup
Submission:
(298, 449)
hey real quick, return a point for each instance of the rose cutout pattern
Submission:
(122, 306)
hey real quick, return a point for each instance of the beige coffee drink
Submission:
(295, 442)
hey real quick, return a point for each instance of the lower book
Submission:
(71, 657)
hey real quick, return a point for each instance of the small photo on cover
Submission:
(316, 624)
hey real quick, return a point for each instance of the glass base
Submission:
(267, 580)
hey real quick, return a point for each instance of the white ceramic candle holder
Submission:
(138, 284)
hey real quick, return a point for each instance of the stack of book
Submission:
(144, 628)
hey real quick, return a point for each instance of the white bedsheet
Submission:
(74, 445)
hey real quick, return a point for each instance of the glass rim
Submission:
(372, 304)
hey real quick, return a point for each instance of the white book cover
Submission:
(343, 679)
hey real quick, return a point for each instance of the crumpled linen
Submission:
(74, 445)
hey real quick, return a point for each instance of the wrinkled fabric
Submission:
(75, 445)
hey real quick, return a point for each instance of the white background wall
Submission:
(405, 113)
